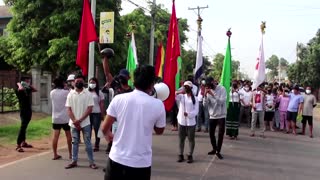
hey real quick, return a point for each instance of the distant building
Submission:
(5, 17)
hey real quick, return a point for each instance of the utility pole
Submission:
(91, 46)
(153, 13)
(199, 20)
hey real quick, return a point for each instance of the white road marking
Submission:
(207, 169)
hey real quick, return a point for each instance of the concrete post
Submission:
(36, 80)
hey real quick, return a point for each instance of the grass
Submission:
(36, 130)
(9, 108)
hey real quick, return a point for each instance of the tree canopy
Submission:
(306, 70)
(273, 64)
(217, 66)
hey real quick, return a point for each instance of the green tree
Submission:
(189, 61)
(140, 23)
(45, 33)
(306, 70)
(217, 66)
(273, 64)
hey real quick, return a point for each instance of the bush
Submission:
(9, 99)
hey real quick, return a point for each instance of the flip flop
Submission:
(26, 145)
(57, 157)
(19, 149)
(93, 166)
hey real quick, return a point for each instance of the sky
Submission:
(287, 22)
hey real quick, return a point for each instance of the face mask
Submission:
(247, 89)
(235, 86)
(79, 85)
(203, 82)
(286, 93)
(92, 86)
(292, 91)
(308, 91)
(188, 90)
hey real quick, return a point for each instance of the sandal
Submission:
(57, 157)
(26, 145)
(93, 166)
(19, 149)
(71, 165)
(95, 149)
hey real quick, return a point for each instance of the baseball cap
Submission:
(188, 83)
(124, 72)
(71, 77)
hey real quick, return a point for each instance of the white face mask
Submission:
(308, 91)
(92, 86)
(246, 88)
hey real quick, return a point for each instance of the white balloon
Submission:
(162, 91)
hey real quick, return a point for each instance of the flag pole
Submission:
(91, 45)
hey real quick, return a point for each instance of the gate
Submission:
(8, 99)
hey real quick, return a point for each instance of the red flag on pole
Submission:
(171, 64)
(160, 61)
(87, 34)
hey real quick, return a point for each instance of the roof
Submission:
(4, 12)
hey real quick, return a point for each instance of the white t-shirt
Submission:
(96, 101)
(246, 97)
(59, 111)
(79, 103)
(186, 105)
(234, 97)
(259, 100)
(137, 113)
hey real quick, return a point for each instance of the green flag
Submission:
(132, 59)
(226, 72)
(178, 73)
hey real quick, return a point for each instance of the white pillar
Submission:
(91, 46)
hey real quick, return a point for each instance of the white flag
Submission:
(199, 60)
(260, 69)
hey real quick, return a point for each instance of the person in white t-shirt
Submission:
(245, 109)
(98, 110)
(79, 106)
(258, 106)
(137, 114)
(188, 110)
(60, 117)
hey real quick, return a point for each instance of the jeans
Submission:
(186, 131)
(25, 116)
(202, 118)
(257, 115)
(87, 140)
(95, 121)
(213, 123)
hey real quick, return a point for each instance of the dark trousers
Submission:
(95, 121)
(116, 171)
(186, 131)
(25, 116)
(173, 115)
(213, 123)
(245, 115)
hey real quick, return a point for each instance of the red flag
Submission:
(160, 61)
(171, 64)
(87, 34)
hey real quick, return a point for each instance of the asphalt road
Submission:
(279, 156)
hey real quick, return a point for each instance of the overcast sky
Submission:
(288, 22)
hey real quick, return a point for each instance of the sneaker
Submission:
(219, 156)
(190, 159)
(213, 152)
(180, 158)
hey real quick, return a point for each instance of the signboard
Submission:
(106, 27)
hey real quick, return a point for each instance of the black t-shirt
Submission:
(24, 97)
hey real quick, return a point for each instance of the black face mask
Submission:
(235, 86)
(188, 90)
(79, 85)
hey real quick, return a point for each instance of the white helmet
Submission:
(161, 91)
